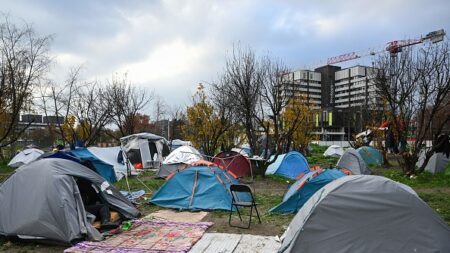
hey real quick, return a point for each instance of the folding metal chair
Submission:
(236, 202)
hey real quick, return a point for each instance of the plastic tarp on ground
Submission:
(352, 161)
(364, 213)
(25, 157)
(334, 151)
(197, 188)
(42, 200)
(304, 188)
(371, 155)
(289, 165)
(235, 163)
(437, 163)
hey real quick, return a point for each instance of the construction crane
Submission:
(393, 47)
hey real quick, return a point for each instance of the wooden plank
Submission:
(257, 244)
(216, 243)
(235, 243)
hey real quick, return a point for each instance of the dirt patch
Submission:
(221, 226)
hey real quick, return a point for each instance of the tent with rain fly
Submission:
(145, 150)
(104, 167)
(237, 164)
(114, 157)
(43, 200)
(352, 161)
(304, 188)
(199, 187)
(289, 165)
(25, 157)
(178, 159)
(106, 170)
(334, 151)
(371, 155)
(363, 213)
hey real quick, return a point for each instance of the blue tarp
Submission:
(198, 188)
(371, 155)
(79, 155)
(104, 169)
(295, 198)
(289, 165)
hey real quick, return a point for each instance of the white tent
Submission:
(178, 159)
(183, 154)
(366, 214)
(334, 151)
(111, 155)
(25, 157)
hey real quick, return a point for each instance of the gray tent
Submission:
(364, 213)
(352, 161)
(438, 162)
(42, 200)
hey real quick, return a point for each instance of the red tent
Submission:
(235, 163)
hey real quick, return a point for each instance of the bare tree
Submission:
(23, 62)
(415, 87)
(57, 101)
(126, 102)
(81, 109)
(242, 81)
(160, 108)
(271, 104)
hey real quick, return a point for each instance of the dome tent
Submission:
(334, 151)
(178, 159)
(25, 157)
(199, 187)
(352, 161)
(304, 188)
(88, 159)
(289, 165)
(364, 213)
(371, 155)
(49, 188)
(234, 162)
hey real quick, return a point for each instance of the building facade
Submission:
(340, 98)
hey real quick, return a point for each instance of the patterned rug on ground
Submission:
(149, 236)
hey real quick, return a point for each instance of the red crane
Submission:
(392, 47)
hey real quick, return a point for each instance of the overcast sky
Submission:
(171, 46)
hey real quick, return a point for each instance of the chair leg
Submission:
(250, 220)
(229, 218)
(257, 213)
(239, 213)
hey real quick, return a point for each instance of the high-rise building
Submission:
(338, 96)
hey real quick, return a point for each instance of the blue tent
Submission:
(304, 188)
(371, 155)
(289, 165)
(80, 155)
(197, 188)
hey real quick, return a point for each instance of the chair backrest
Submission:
(236, 188)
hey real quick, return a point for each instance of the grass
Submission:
(269, 191)
(440, 202)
